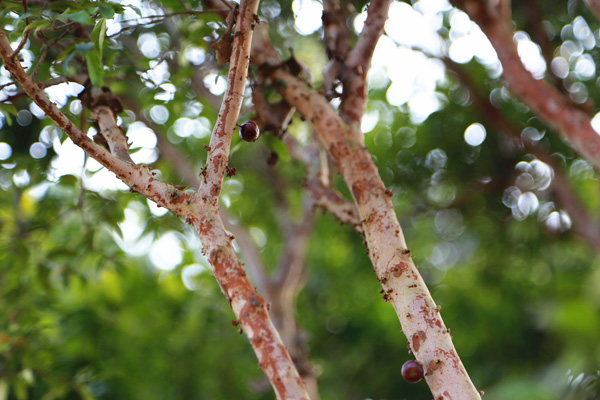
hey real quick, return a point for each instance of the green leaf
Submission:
(8, 109)
(98, 36)
(63, 54)
(277, 146)
(4, 389)
(84, 48)
(68, 59)
(95, 68)
(106, 11)
(94, 57)
(22, 17)
(20, 389)
(39, 24)
(136, 9)
(60, 5)
(83, 17)
(6, 7)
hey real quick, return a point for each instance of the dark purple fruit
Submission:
(412, 371)
(249, 131)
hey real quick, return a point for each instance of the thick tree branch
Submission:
(272, 355)
(252, 258)
(429, 339)
(280, 294)
(544, 100)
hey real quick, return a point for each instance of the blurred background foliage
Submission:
(104, 296)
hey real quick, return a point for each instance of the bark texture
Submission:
(403, 287)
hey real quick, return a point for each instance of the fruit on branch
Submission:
(412, 371)
(249, 131)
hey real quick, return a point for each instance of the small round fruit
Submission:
(249, 131)
(412, 371)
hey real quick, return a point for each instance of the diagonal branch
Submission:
(254, 263)
(429, 339)
(332, 201)
(220, 141)
(280, 293)
(138, 178)
(544, 100)
(403, 286)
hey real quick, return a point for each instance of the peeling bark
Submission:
(392, 261)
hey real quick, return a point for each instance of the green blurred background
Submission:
(91, 308)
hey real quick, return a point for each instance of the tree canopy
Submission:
(477, 118)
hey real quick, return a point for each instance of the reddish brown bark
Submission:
(402, 284)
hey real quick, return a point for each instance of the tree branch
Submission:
(358, 63)
(333, 202)
(117, 143)
(428, 338)
(220, 141)
(252, 258)
(281, 294)
(544, 100)
(138, 178)
(594, 5)
(336, 37)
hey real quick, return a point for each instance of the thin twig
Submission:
(22, 43)
(161, 18)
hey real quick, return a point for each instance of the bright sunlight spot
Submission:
(166, 252)
(475, 134)
(308, 16)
